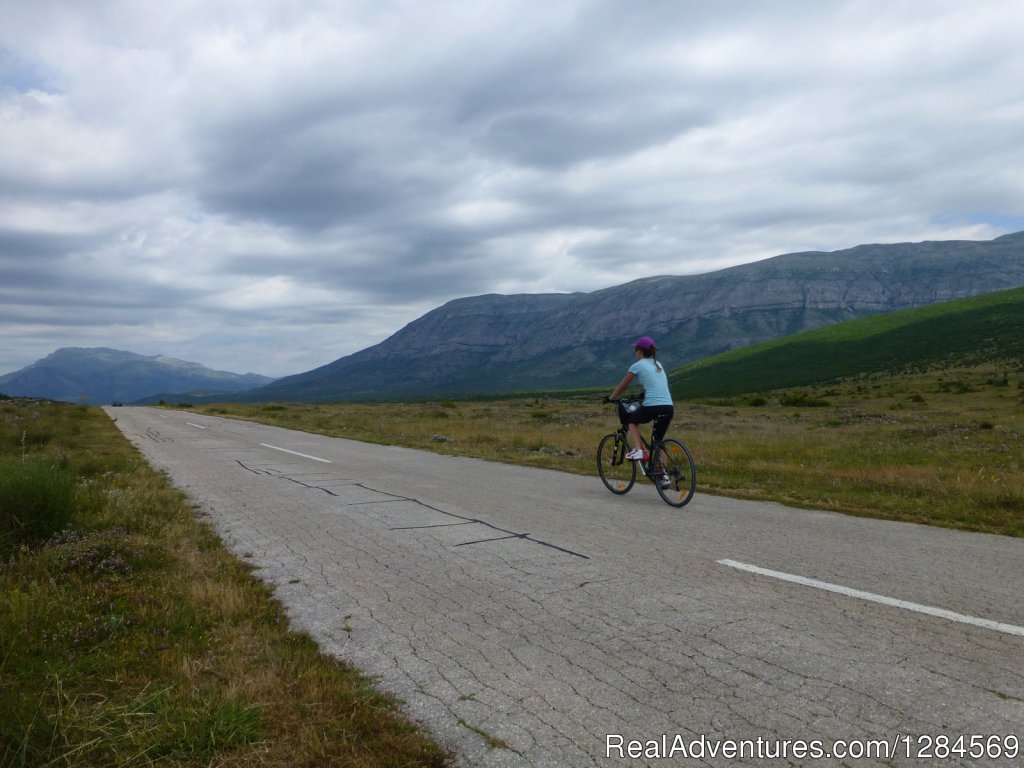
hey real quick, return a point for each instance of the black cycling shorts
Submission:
(661, 415)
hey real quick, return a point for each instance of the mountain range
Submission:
(101, 375)
(501, 344)
(498, 344)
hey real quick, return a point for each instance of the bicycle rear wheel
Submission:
(616, 471)
(681, 472)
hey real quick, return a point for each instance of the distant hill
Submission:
(100, 375)
(502, 344)
(963, 332)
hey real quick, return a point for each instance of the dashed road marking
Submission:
(295, 453)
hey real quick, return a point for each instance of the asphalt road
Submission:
(531, 618)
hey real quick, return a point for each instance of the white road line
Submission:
(197, 426)
(295, 453)
(1010, 629)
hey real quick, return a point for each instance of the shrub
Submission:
(803, 400)
(956, 387)
(36, 501)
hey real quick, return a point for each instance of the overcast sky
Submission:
(268, 185)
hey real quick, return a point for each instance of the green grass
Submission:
(950, 334)
(132, 638)
(36, 501)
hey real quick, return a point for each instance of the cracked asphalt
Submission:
(531, 618)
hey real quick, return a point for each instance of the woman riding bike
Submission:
(657, 404)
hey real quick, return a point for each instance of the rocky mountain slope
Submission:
(100, 375)
(502, 344)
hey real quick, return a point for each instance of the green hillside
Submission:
(962, 332)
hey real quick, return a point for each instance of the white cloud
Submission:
(268, 184)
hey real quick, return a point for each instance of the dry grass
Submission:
(134, 639)
(941, 448)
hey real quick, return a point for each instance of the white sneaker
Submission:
(637, 454)
(664, 481)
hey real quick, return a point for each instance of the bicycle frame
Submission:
(646, 467)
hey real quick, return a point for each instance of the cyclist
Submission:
(657, 404)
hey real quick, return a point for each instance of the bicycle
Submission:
(670, 464)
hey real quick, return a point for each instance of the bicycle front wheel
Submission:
(617, 472)
(680, 471)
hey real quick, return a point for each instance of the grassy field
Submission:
(130, 637)
(942, 447)
(972, 331)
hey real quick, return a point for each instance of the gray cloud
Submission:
(267, 185)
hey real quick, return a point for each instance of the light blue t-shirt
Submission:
(654, 381)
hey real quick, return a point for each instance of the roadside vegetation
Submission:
(940, 447)
(130, 637)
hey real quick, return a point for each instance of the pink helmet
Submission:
(644, 342)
